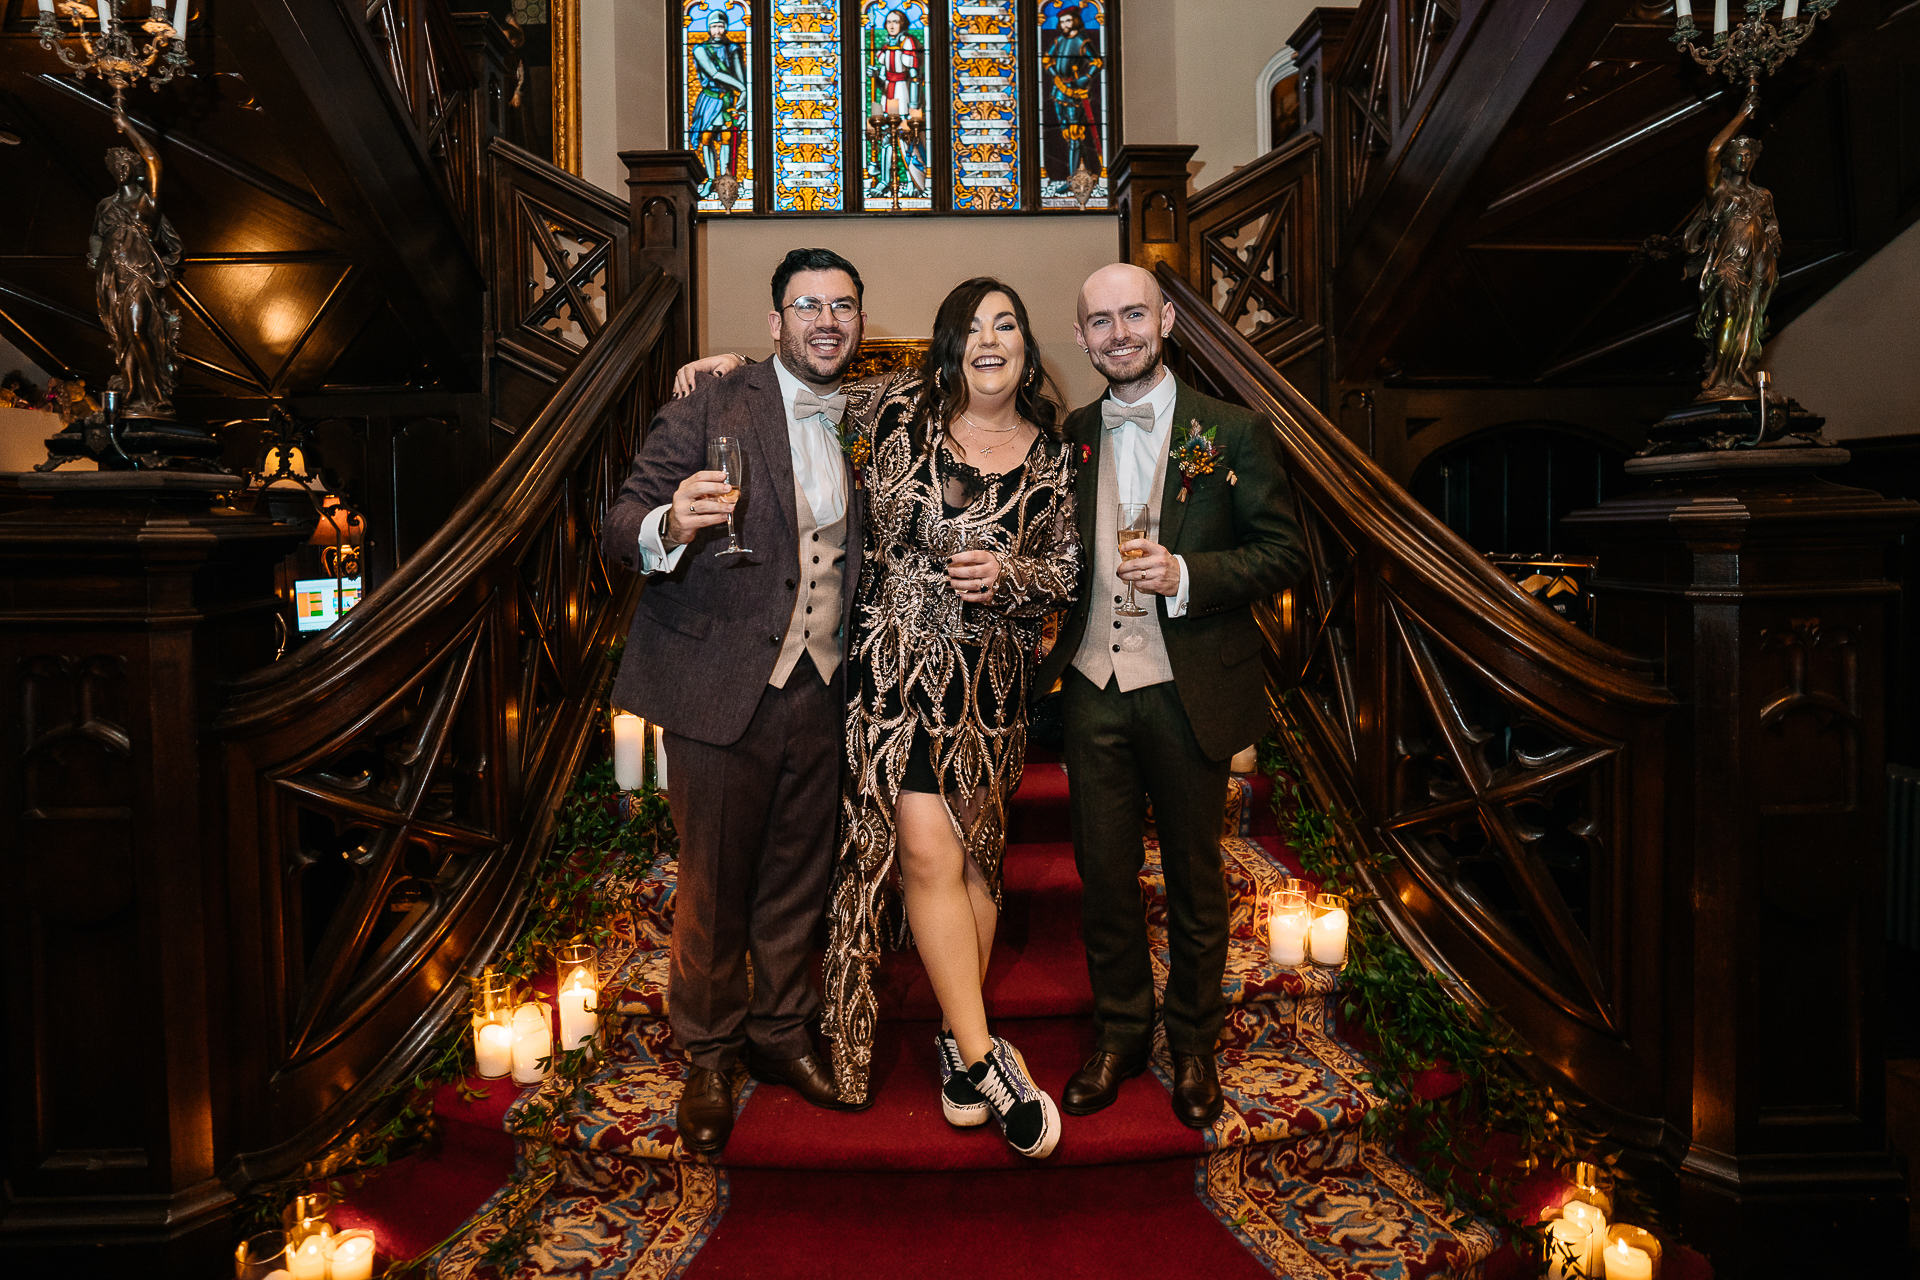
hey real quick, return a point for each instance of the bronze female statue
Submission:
(133, 252)
(1735, 245)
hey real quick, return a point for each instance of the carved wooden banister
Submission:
(1513, 765)
(388, 785)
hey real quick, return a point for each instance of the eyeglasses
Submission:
(809, 309)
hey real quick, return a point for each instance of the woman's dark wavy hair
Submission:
(943, 374)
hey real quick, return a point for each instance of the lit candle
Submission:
(659, 758)
(1287, 930)
(1566, 1250)
(352, 1256)
(492, 1048)
(1329, 941)
(578, 1004)
(1624, 1262)
(1719, 17)
(180, 17)
(310, 1259)
(532, 1041)
(1594, 1223)
(629, 750)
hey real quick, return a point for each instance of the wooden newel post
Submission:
(1761, 589)
(664, 192)
(1150, 190)
(128, 599)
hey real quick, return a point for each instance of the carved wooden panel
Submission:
(1255, 249)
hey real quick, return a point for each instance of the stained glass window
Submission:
(1072, 79)
(878, 106)
(807, 176)
(717, 38)
(986, 104)
(895, 105)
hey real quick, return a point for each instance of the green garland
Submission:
(594, 846)
(1415, 1024)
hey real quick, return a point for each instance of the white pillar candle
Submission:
(532, 1041)
(629, 751)
(1792, 10)
(106, 16)
(659, 758)
(1566, 1250)
(180, 17)
(1624, 1262)
(578, 1005)
(1329, 941)
(352, 1256)
(1595, 1224)
(1287, 934)
(46, 6)
(1719, 17)
(310, 1259)
(492, 1048)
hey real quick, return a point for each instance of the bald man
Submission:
(1157, 704)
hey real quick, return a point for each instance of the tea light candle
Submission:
(1329, 941)
(1287, 931)
(1624, 1262)
(579, 1020)
(629, 751)
(352, 1256)
(1566, 1250)
(310, 1259)
(492, 1048)
(532, 1041)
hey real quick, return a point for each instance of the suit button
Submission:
(1116, 599)
(809, 608)
(791, 584)
(773, 639)
(816, 559)
(1116, 626)
(806, 635)
(816, 537)
(1116, 648)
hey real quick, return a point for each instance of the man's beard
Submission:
(803, 362)
(1135, 367)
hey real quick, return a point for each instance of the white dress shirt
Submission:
(1136, 455)
(814, 445)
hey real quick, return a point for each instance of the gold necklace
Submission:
(998, 431)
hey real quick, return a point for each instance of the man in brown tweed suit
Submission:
(738, 657)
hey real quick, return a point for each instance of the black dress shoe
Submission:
(806, 1074)
(1095, 1085)
(705, 1114)
(1196, 1090)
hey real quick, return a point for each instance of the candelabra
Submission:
(899, 133)
(1756, 47)
(112, 51)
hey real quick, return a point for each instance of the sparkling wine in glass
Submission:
(725, 454)
(1132, 526)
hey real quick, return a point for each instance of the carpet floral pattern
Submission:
(1287, 1171)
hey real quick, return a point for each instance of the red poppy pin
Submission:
(1086, 453)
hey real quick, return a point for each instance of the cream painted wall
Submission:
(908, 265)
(1219, 48)
(1851, 355)
(600, 99)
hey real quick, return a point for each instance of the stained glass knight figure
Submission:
(718, 114)
(1072, 64)
(894, 64)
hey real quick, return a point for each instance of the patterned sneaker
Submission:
(1027, 1116)
(960, 1102)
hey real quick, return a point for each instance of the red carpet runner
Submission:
(1281, 1185)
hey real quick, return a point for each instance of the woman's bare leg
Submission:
(944, 910)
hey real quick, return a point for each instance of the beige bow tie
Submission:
(806, 403)
(1114, 414)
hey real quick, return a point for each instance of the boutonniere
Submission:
(856, 445)
(1086, 453)
(1195, 455)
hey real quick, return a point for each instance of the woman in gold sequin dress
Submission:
(970, 544)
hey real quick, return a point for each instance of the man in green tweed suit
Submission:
(1156, 705)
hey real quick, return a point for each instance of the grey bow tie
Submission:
(806, 403)
(1114, 414)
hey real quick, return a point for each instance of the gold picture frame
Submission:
(564, 15)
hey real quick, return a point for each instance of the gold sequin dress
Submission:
(925, 668)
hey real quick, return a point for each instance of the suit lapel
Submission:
(768, 440)
(1173, 512)
(1086, 481)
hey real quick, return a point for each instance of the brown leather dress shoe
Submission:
(705, 1114)
(806, 1074)
(1095, 1085)
(1196, 1090)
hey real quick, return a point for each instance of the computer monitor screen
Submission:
(319, 602)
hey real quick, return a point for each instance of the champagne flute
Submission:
(725, 454)
(1132, 527)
